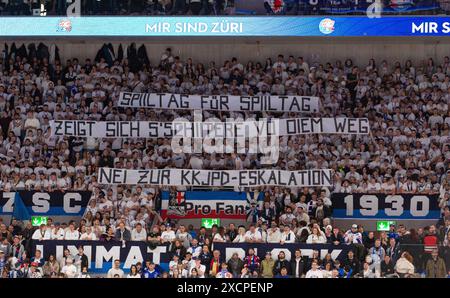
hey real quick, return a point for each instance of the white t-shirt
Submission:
(253, 236)
(88, 236)
(69, 270)
(72, 235)
(167, 236)
(138, 236)
(58, 234)
(113, 271)
(314, 274)
(38, 235)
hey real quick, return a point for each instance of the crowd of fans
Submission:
(220, 7)
(396, 253)
(407, 151)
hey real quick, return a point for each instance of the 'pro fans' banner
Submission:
(204, 204)
(272, 103)
(145, 129)
(101, 254)
(227, 178)
(56, 203)
(383, 206)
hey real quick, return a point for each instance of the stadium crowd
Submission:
(407, 151)
(220, 7)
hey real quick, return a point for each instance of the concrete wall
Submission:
(258, 49)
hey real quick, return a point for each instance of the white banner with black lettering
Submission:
(272, 103)
(229, 178)
(229, 129)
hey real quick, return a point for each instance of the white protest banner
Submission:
(272, 103)
(229, 129)
(216, 178)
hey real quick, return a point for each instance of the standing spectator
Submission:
(298, 264)
(251, 261)
(354, 237)
(232, 232)
(314, 272)
(446, 254)
(353, 263)
(280, 263)
(215, 263)
(69, 269)
(122, 233)
(80, 259)
(115, 270)
(435, 266)
(377, 252)
(387, 267)
(51, 267)
(205, 258)
(267, 265)
(194, 249)
(235, 265)
(17, 249)
(404, 265)
(393, 250)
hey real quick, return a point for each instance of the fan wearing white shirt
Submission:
(168, 235)
(220, 236)
(240, 237)
(287, 236)
(115, 270)
(314, 272)
(287, 217)
(253, 236)
(273, 234)
(71, 233)
(58, 233)
(194, 249)
(138, 233)
(42, 233)
(316, 237)
(88, 235)
(70, 270)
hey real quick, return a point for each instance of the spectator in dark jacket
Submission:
(298, 264)
(280, 263)
(387, 267)
(178, 249)
(268, 213)
(446, 254)
(336, 237)
(122, 233)
(393, 251)
(352, 263)
(235, 265)
(435, 267)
